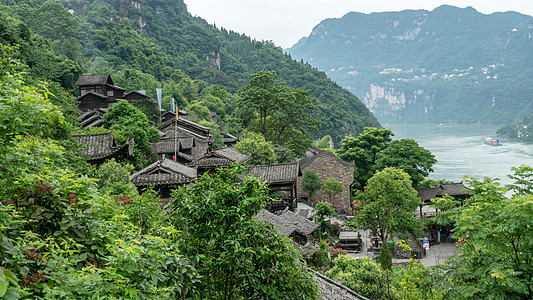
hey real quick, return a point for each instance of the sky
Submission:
(286, 21)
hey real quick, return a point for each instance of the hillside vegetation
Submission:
(149, 44)
(418, 66)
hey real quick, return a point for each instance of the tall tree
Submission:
(363, 151)
(283, 114)
(407, 155)
(388, 203)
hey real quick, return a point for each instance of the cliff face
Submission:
(445, 65)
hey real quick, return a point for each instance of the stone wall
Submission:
(327, 165)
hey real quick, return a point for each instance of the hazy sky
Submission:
(286, 21)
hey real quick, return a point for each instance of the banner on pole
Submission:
(159, 92)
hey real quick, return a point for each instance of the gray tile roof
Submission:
(97, 79)
(102, 145)
(279, 173)
(302, 225)
(232, 154)
(223, 157)
(279, 224)
(228, 138)
(167, 145)
(165, 171)
(452, 189)
(288, 222)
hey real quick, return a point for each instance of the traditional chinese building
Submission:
(327, 165)
(97, 91)
(102, 146)
(164, 175)
(281, 178)
(220, 158)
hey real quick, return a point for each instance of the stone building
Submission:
(327, 165)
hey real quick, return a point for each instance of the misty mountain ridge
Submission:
(446, 65)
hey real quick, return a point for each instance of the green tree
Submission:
(128, 122)
(114, 179)
(495, 237)
(363, 275)
(323, 209)
(310, 183)
(262, 152)
(407, 155)
(388, 203)
(332, 187)
(283, 114)
(363, 151)
(238, 256)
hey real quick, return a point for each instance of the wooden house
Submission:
(145, 103)
(203, 140)
(164, 175)
(327, 165)
(102, 146)
(279, 177)
(169, 147)
(220, 158)
(457, 190)
(97, 91)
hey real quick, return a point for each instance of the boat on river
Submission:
(492, 142)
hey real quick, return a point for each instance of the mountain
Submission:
(446, 65)
(152, 41)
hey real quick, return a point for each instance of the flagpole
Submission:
(176, 137)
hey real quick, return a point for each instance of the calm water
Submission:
(459, 150)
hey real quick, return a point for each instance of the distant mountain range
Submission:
(418, 66)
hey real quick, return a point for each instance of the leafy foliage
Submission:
(262, 152)
(374, 150)
(363, 151)
(283, 114)
(238, 256)
(332, 187)
(310, 183)
(388, 203)
(407, 155)
(494, 235)
(363, 275)
(323, 209)
(128, 122)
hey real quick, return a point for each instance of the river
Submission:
(459, 150)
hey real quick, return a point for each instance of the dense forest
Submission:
(442, 66)
(149, 44)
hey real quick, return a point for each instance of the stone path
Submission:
(437, 254)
